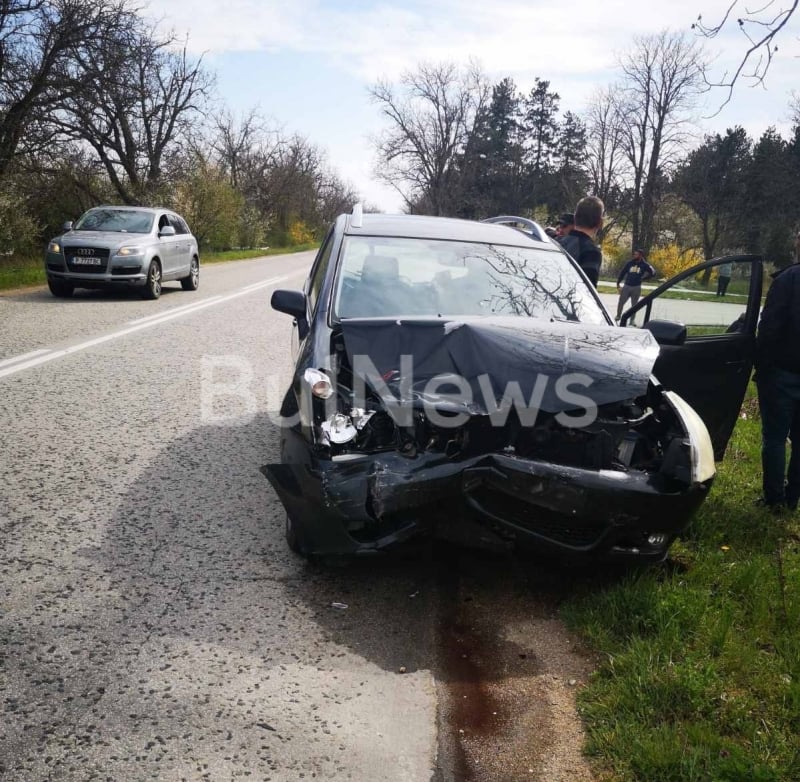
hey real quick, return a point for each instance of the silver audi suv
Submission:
(123, 245)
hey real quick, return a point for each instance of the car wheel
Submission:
(61, 289)
(192, 282)
(152, 288)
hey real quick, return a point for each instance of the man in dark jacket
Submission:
(778, 381)
(580, 241)
(629, 281)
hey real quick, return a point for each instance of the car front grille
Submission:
(541, 521)
(74, 255)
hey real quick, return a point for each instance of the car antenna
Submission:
(357, 220)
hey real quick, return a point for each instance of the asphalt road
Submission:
(153, 624)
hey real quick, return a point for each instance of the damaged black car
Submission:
(464, 379)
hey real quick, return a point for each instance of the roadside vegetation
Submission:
(699, 659)
(22, 272)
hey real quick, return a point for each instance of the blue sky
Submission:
(307, 64)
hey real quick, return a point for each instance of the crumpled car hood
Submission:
(616, 362)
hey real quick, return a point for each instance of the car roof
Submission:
(124, 208)
(448, 228)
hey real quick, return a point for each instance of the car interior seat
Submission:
(377, 290)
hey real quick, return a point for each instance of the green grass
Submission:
(22, 272)
(238, 255)
(19, 272)
(686, 295)
(700, 657)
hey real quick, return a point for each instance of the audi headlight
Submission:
(53, 247)
(126, 252)
(702, 451)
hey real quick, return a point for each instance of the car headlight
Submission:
(319, 382)
(53, 247)
(702, 451)
(128, 251)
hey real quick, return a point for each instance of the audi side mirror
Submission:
(167, 230)
(67, 226)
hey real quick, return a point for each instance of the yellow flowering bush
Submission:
(300, 233)
(670, 260)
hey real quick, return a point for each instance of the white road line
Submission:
(174, 309)
(36, 360)
(17, 359)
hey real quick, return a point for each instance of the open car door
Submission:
(706, 328)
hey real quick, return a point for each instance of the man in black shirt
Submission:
(778, 381)
(580, 241)
(630, 279)
(566, 222)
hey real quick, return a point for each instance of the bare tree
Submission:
(42, 46)
(760, 25)
(144, 97)
(243, 146)
(430, 120)
(605, 150)
(794, 108)
(662, 77)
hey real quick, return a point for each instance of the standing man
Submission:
(565, 224)
(633, 273)
(580, 241)
(724, 279)
(778, 381)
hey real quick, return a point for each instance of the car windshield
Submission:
(394, 276)
(129, 221)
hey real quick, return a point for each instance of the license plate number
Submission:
(86, 261)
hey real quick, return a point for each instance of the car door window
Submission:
(711, 365)
(178, 224)
(712, 302)
(318, 272)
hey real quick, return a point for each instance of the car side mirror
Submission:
(67, 226)
(167, 230)
(292, 303)
(667, 332)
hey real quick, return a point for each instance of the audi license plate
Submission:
(86, 260)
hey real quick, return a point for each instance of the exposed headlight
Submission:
(320, 383)
(339, 429)
(128, 251)
(53, 247)
(702, 451)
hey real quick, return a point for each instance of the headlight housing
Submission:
(53, 247)
(127, 252)
(702, 451)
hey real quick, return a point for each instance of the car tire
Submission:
(60, 288)
(152, 286)
(192, 282)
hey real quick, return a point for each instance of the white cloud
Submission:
(572, 43)
(558, 41)
(388, 37)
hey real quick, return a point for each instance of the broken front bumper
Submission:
(359, 504)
